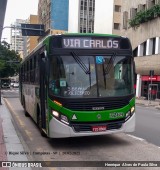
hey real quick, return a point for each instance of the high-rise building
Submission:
(16, 36)
(141, 23)
(84, 16)
(95, 16)
(31, 41)
(81, 16)
(54, 15)
(23, 44)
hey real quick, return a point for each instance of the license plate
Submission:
(99, 128)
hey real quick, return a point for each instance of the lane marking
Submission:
(17, 116)
(135, 137)
(20, 121)
(29, 134)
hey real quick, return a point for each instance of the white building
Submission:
(145, 40)
(16, 36)
(98, 16)
(103, 16)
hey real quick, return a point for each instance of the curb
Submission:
(149, 105)
(14, 141)
(16, 128)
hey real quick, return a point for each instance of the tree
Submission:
(8, 61)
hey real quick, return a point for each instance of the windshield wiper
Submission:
(89, 72)
(109, 66)
(80, 62)
(104, 76)
(82, 65)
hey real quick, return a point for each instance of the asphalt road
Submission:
(148, 124)
(10, 93)
(117, 147)
(147, 119)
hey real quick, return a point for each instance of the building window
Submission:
(87, 18)
(157, 2)
(117, 26)
(154, 46)
(117, 8)
(153, 2)
(125, 19)
(135, 52)
(141, 7)
(150, 4)
(144, 48)
(133, 12)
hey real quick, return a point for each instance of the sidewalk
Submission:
(10, 143)
(144, 102)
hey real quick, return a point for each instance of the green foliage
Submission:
(145, 16)
(7, 58)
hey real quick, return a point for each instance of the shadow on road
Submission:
(91, 141)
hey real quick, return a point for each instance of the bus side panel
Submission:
(31, 99)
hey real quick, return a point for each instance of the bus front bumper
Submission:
(58, 129)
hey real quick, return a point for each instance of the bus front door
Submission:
(42, 116)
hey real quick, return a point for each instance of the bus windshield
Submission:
(91, 76)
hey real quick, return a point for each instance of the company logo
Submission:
(99, 116)
(97, 108)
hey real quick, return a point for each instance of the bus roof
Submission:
(91, 34)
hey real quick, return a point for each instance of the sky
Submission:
(18, 9)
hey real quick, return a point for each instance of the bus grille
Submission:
(88, 127)
(88, 105)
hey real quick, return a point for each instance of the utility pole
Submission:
(151, 74)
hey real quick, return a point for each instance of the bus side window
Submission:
(25, 68)
(30, 70)
(36, 70)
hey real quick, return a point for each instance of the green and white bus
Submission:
(79, 85)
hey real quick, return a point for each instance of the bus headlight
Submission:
(55, 114)
(132, 110)
(60, 117)
(130, 113)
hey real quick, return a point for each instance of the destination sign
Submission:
(90, 43)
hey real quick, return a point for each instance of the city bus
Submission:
(76, 85)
